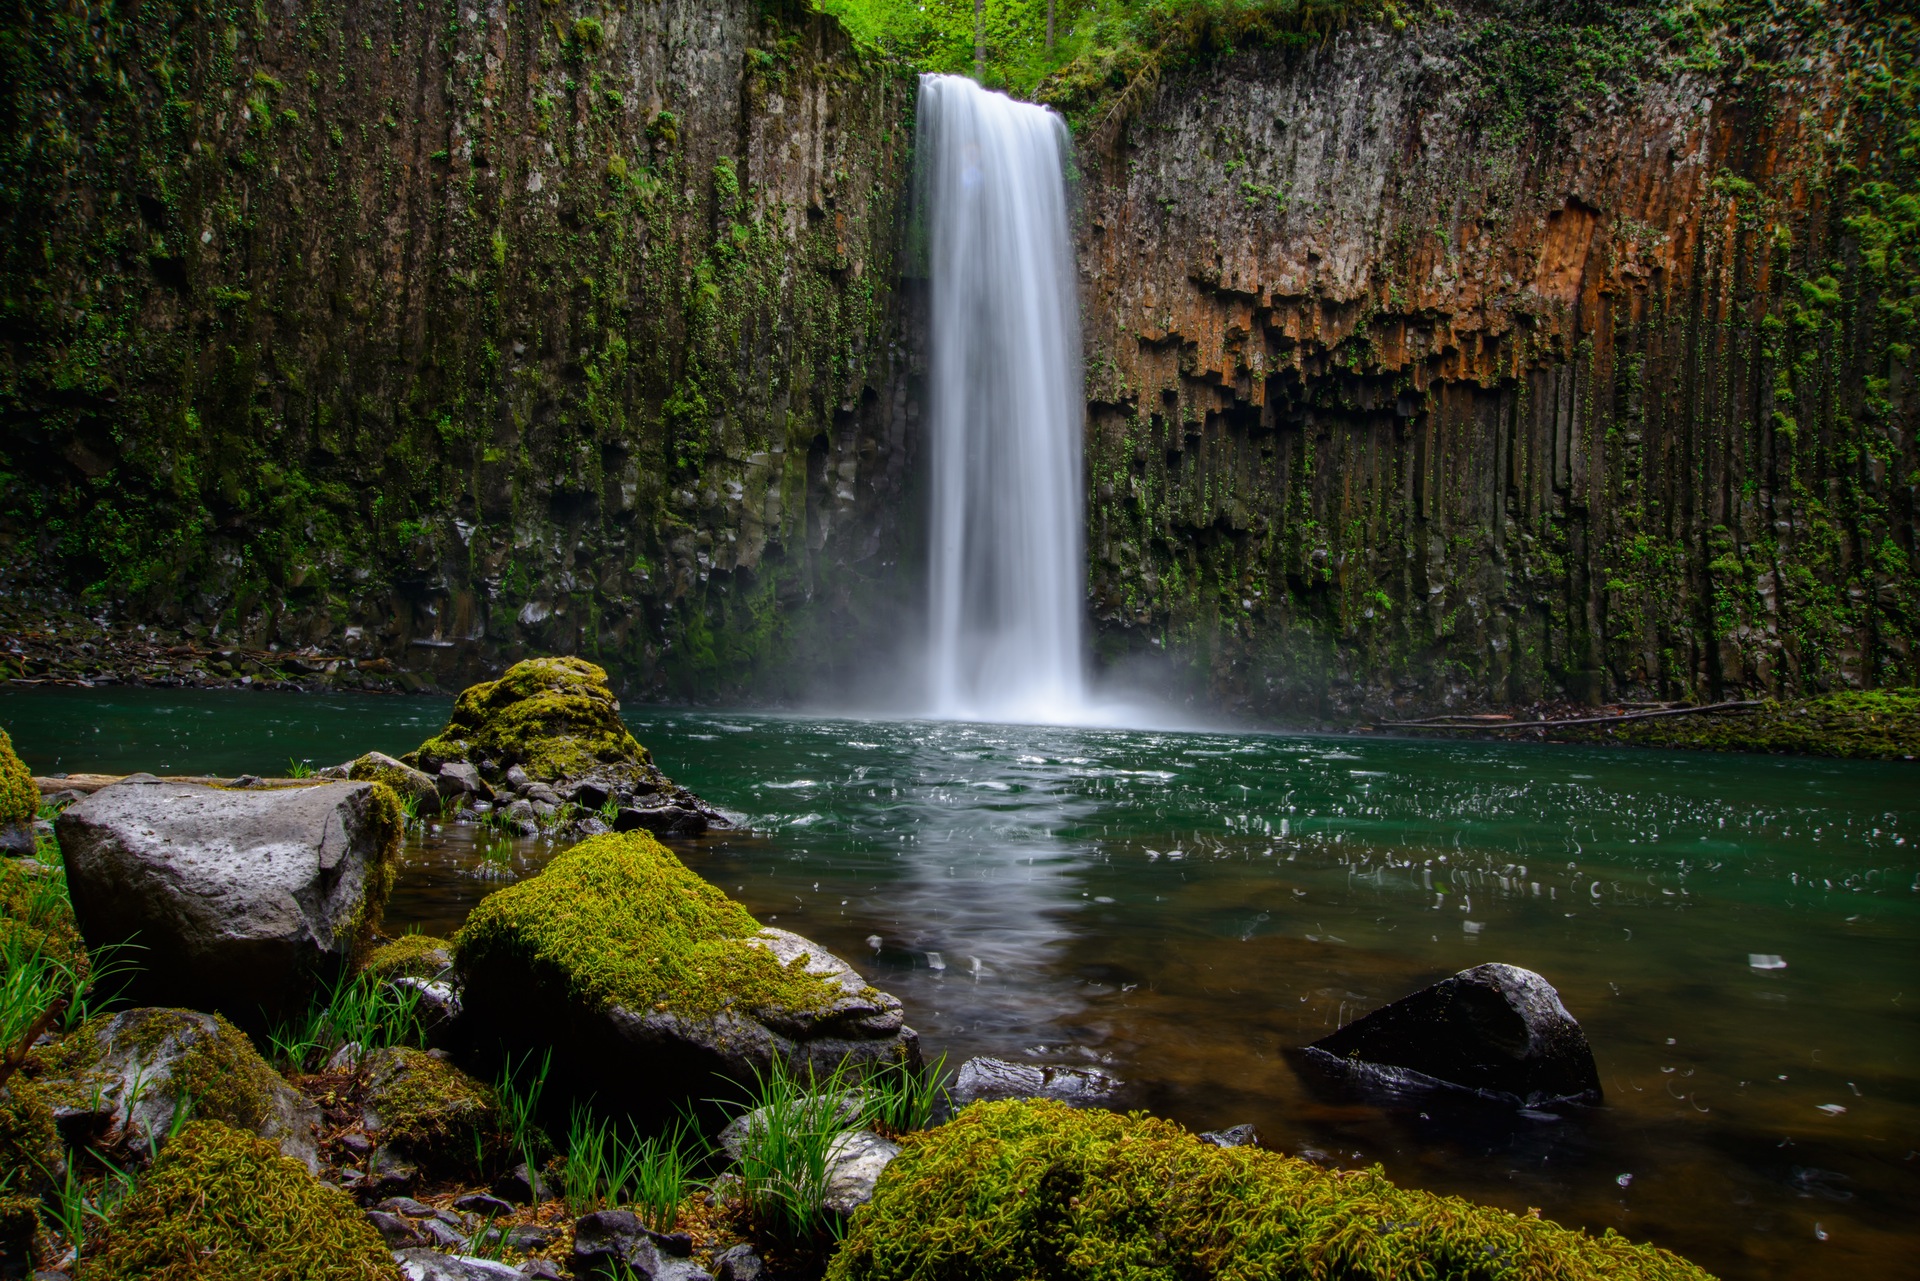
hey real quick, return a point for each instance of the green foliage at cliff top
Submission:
(618, 919)
(19, 798)
(1033, 1191)
(222, 1205)
(553, 717)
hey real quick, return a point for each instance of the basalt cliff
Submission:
(1469, 358)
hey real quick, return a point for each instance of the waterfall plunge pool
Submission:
(1181, 908)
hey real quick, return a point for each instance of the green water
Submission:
(1184, 908)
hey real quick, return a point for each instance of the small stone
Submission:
(517, 778)
(855, 1162)
(405, 1205)
(1234, 1136)
(521, 1186)
(988, 1078)
(391, 1172)
(431, 1265)
(544, 1269)
(738, 1263)
(483, 1204)
(398, 1233)
(443, 1235)
(459, 779)
(588, 794)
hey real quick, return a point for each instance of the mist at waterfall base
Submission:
(1005, 634)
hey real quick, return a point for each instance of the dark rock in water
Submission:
(738, 1263)
(608, 1241)
(668, 818)
(1234, 1136)
(458, 780)
(1498, 1030)
(985, 1078)
(242, 902)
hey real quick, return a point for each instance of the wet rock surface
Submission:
(986, 1079)
(1497, 1030)
(241, 901)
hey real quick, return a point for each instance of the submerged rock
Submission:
(1495, 1029)
(647, 982)
(244, 902)
(988, 1078)
(128, 1076)
(550, 729)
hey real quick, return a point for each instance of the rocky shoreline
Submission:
(227, 1067)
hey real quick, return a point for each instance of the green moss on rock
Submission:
(553, 717)
(221, 1205)
(29, 1144)
(1866, 724)
(224, 1075)
(19, 798)
(619, 920)
(1030, 1191)
(427, 1107)
(385, 825)
(409, 956)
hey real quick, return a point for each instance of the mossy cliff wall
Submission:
(452, 331)
(1541, 350)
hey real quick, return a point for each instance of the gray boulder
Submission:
(987, 1078)
(239, 901)
(855, 1162)
(126, 1079)
(431, 1265)
(1496, 1030)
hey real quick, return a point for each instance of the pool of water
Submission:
(1183, 909)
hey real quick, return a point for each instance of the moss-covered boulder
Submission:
(548, 732)
(19, 801)
(1038, 1191)
(428, 1110)
(415, 789)
(221, 1205)
(243, 901)
(127, 1075)
(37, 917)
(648, 981)
(417, 956)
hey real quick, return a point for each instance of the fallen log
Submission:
(1615, 719)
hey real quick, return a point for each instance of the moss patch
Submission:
(553, 717)
(411, 955)
(618, 919)
(221, 1205)
(29, 1144)
(19, 798)
(226, 1077)
(429, 1108)
(1869, 724)
(35, 910)
(384, 824)
(1032, 1190)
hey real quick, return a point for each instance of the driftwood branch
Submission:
(1483, 723)
(17, 1054)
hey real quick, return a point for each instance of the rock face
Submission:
(549, 730)
(625, 305)
(1389, 373)
(241, 901)
(649, 982)
(1497, 1030)
(127, 1076)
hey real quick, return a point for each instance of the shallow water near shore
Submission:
(1184, 908)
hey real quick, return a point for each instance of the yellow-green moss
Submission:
(222, 1073)
(221, 1205)
(227, 1078)
(429, 1108)
(411, 955)
(1033, 1191)
(553, 717)
(29, 1144)
(619, 919)
(385, 823)
(403, 779)
(19, 798)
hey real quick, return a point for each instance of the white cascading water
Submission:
(1007, 579)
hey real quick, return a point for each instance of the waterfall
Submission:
(1006, 576)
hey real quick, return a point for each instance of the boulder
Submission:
(242, 902)
(648, 983)
(407, 782)
(735, 1136)
(128, 1075)
(616, 1244)
(460, 782)
(425, 1110)
(855, 1162)
(431, 1265)
(550, 727)
(1497, 1030)
(986, 1078)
